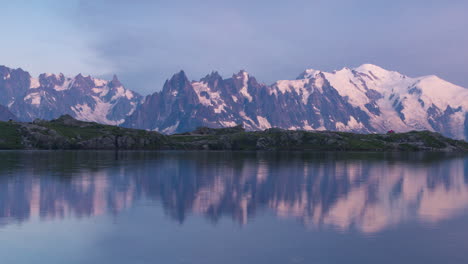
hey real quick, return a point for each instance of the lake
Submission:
(233, 207)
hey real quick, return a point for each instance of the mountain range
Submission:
(366, 99)
(52, 95)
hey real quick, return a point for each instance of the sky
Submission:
(146, 42)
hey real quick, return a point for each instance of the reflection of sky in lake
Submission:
(364, 192)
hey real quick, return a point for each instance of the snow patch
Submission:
(287, 86)
(98, 114)
(246, 118)
(102, 91)
(200, 87)
(228, 123)
(34, 98)
(34, 83)
(263, 123)
(319, 82)
(348, 85)
(306, 125)
(352, 125)
(129, 94)
(119, 93)
(171, 129)
(244, 90)
(442, 93)
(373, 70)
(65, 86)
(209, 98)
(310, 73)
(300, 87)
(100, 82)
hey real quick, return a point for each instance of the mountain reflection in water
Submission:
(368, 192)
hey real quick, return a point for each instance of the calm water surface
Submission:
(217, 207)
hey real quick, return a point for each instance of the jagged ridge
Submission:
(367, 99)
(52, 95)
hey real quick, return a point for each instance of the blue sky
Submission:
(145, 42)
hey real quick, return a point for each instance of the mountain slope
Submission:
(50, 96)
(6, 115)
(13, 84)
(366, 99)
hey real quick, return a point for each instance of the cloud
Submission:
(145, 42)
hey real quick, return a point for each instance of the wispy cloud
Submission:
(145, 42)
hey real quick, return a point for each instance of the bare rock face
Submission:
(6, 115)
(13, 85)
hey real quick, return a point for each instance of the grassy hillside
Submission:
(277, 139)
(10, 138)
(68, 133)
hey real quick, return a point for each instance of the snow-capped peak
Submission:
(100, 82)
(244, 91)
(377, 72)
(47, 75)
(308, 74)
(367, 67)
(242, 74)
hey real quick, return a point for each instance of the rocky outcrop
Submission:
(201, 131)
(278, 139)
(6, 115)
(69, 133)
(14, 84)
